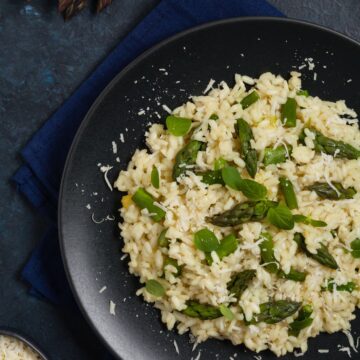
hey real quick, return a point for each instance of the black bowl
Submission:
(91, 252)
(15, 334)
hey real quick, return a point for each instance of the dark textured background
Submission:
(42, 61)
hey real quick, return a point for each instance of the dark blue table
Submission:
(42, 61)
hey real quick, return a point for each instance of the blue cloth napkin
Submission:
(45, 154)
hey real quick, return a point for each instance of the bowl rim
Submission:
(11, 332)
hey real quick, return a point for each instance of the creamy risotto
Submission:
(242, 219)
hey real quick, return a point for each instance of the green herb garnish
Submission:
(178, 126)
(302, 321)
(154, 288)
(309, 221)
(281, 217)
(250, 188)
(206, 241)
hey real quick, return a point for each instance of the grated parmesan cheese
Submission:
(351, 340)
(102, 289)
(209, 86)
(112, 308)
(166, 108)
(323, 351)
(176, 347)
(114, 147)
(105, 170)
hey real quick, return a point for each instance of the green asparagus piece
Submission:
(242, 213)
(163, 241)
(226, 247)
(145, 201)
(331, 285)
(240, 281)
(288, 192)
(288, 113)
(336, 148)
(277, 155)
(174, 263)
(248, 154)
(211, 177)
(202, 311)
(355, 246)
(302, 321)
(325, 191)
(267, 254)
(322, 255)
(275, 311)
(249, 99)
(293, 275)
(272, 265)
(309, 221)
(186, 156)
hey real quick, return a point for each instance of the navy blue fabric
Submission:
(45, 154)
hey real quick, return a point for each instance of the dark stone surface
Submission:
(42, 61)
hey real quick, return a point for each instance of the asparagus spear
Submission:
(249, 155)
(325, 191)
(322, 255)
(277, 155)
(249, 99)
(242, 213)
(275, 311)
(329, 146)
(302, 321)
(331, 285)
(240, 281)
(186, 156)
(272, 265)
(287, 190)
(144, 200)
(163, 241)
(201, 311)
(288, 113)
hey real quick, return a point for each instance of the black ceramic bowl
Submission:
(91, 252)
(15, 334)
